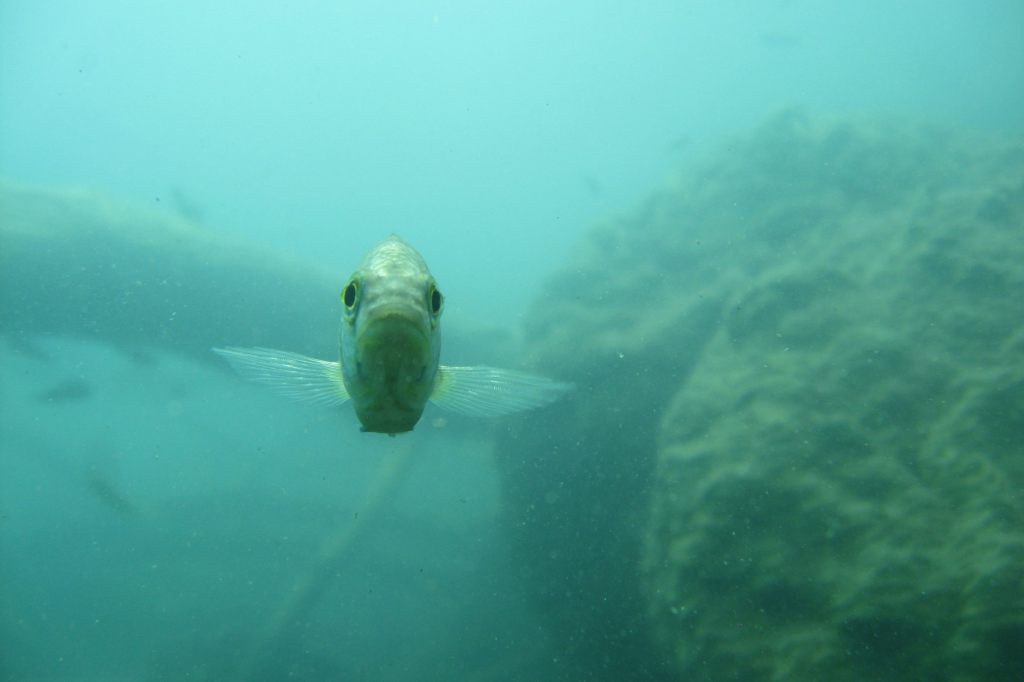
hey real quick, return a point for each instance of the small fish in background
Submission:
(184, 206)
(141, 358)
(69, 390)
(390, 350)
(593, 185)
(102, 486)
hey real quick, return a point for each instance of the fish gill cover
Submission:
(796, 447)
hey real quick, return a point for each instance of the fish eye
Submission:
(436, 300)
(349, 295)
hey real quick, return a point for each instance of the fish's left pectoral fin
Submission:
(294, 376)
(492, 392)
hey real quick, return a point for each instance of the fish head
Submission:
(391, 337)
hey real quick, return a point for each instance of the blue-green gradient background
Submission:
(155, 512)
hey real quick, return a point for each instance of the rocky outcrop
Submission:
(80, 263)
(798, 443)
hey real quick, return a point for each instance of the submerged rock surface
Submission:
(80, 263)
(797, 447)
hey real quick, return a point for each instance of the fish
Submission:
(69, 390)
(389, 355)
(103, 487)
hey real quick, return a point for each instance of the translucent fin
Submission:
(491, 392)
(291, 375)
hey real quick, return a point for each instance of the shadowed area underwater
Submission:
(794, 449)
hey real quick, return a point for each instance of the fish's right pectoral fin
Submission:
(493, 392)
(291, 375)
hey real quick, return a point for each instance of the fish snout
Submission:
(395, 345)
(394, 324)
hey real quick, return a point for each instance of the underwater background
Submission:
(778, 248)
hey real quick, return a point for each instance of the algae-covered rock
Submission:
(797, 451)
(77, 262)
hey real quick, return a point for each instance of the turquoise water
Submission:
(489, 137)
(160, 519)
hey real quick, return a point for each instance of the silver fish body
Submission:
(390, 348)
(390, 337)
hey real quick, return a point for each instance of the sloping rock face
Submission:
(80, 263)
(797, 448)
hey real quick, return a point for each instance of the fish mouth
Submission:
(393, 355)
(394, 345)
